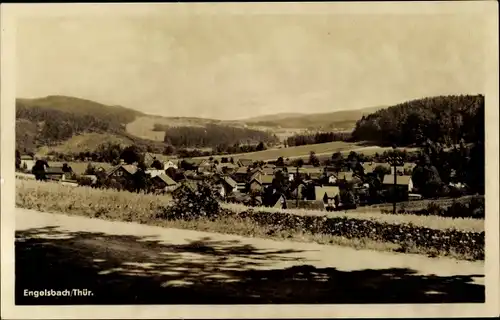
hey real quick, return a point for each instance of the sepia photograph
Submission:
(251, 154)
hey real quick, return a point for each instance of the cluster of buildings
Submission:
(246, 181)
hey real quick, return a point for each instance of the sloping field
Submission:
(85, 142)
(322, 150)
(295, 152)
(142, 127)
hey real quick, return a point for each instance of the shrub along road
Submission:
(126, 263)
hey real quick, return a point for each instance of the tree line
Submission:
(319, 137)
(215, 136)
(443, 119)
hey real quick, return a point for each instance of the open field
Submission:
(322, 150)
(85, 142)
(147, 209)
(143, 126)
(296, 152)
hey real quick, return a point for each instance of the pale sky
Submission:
(236, 66)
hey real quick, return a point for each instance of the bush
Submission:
(473, 208)
(434, 209)
(192, 202)
(85, 181)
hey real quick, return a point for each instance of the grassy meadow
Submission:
(297, 152)
(144, 208)
(84, 142)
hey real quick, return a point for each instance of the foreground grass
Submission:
(143, 208)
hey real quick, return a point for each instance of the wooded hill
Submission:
(55, 119)
(443, 119)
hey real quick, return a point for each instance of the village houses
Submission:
(309, 186)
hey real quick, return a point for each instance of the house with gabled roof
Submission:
(402, 182)
(169, 164)
(260, 181)
(404, 186)
(227, 186)
(122, 170)
(163, 182)
(205, 166)
(330, 195)
(228, 168)
(255, 175)
(241, 173)
(241, 176)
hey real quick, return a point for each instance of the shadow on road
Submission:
(141, 270)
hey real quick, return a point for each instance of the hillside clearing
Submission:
(85, 142)
(143, 126)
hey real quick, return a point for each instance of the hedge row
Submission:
(406, 235)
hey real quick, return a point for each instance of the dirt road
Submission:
(126, 263)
